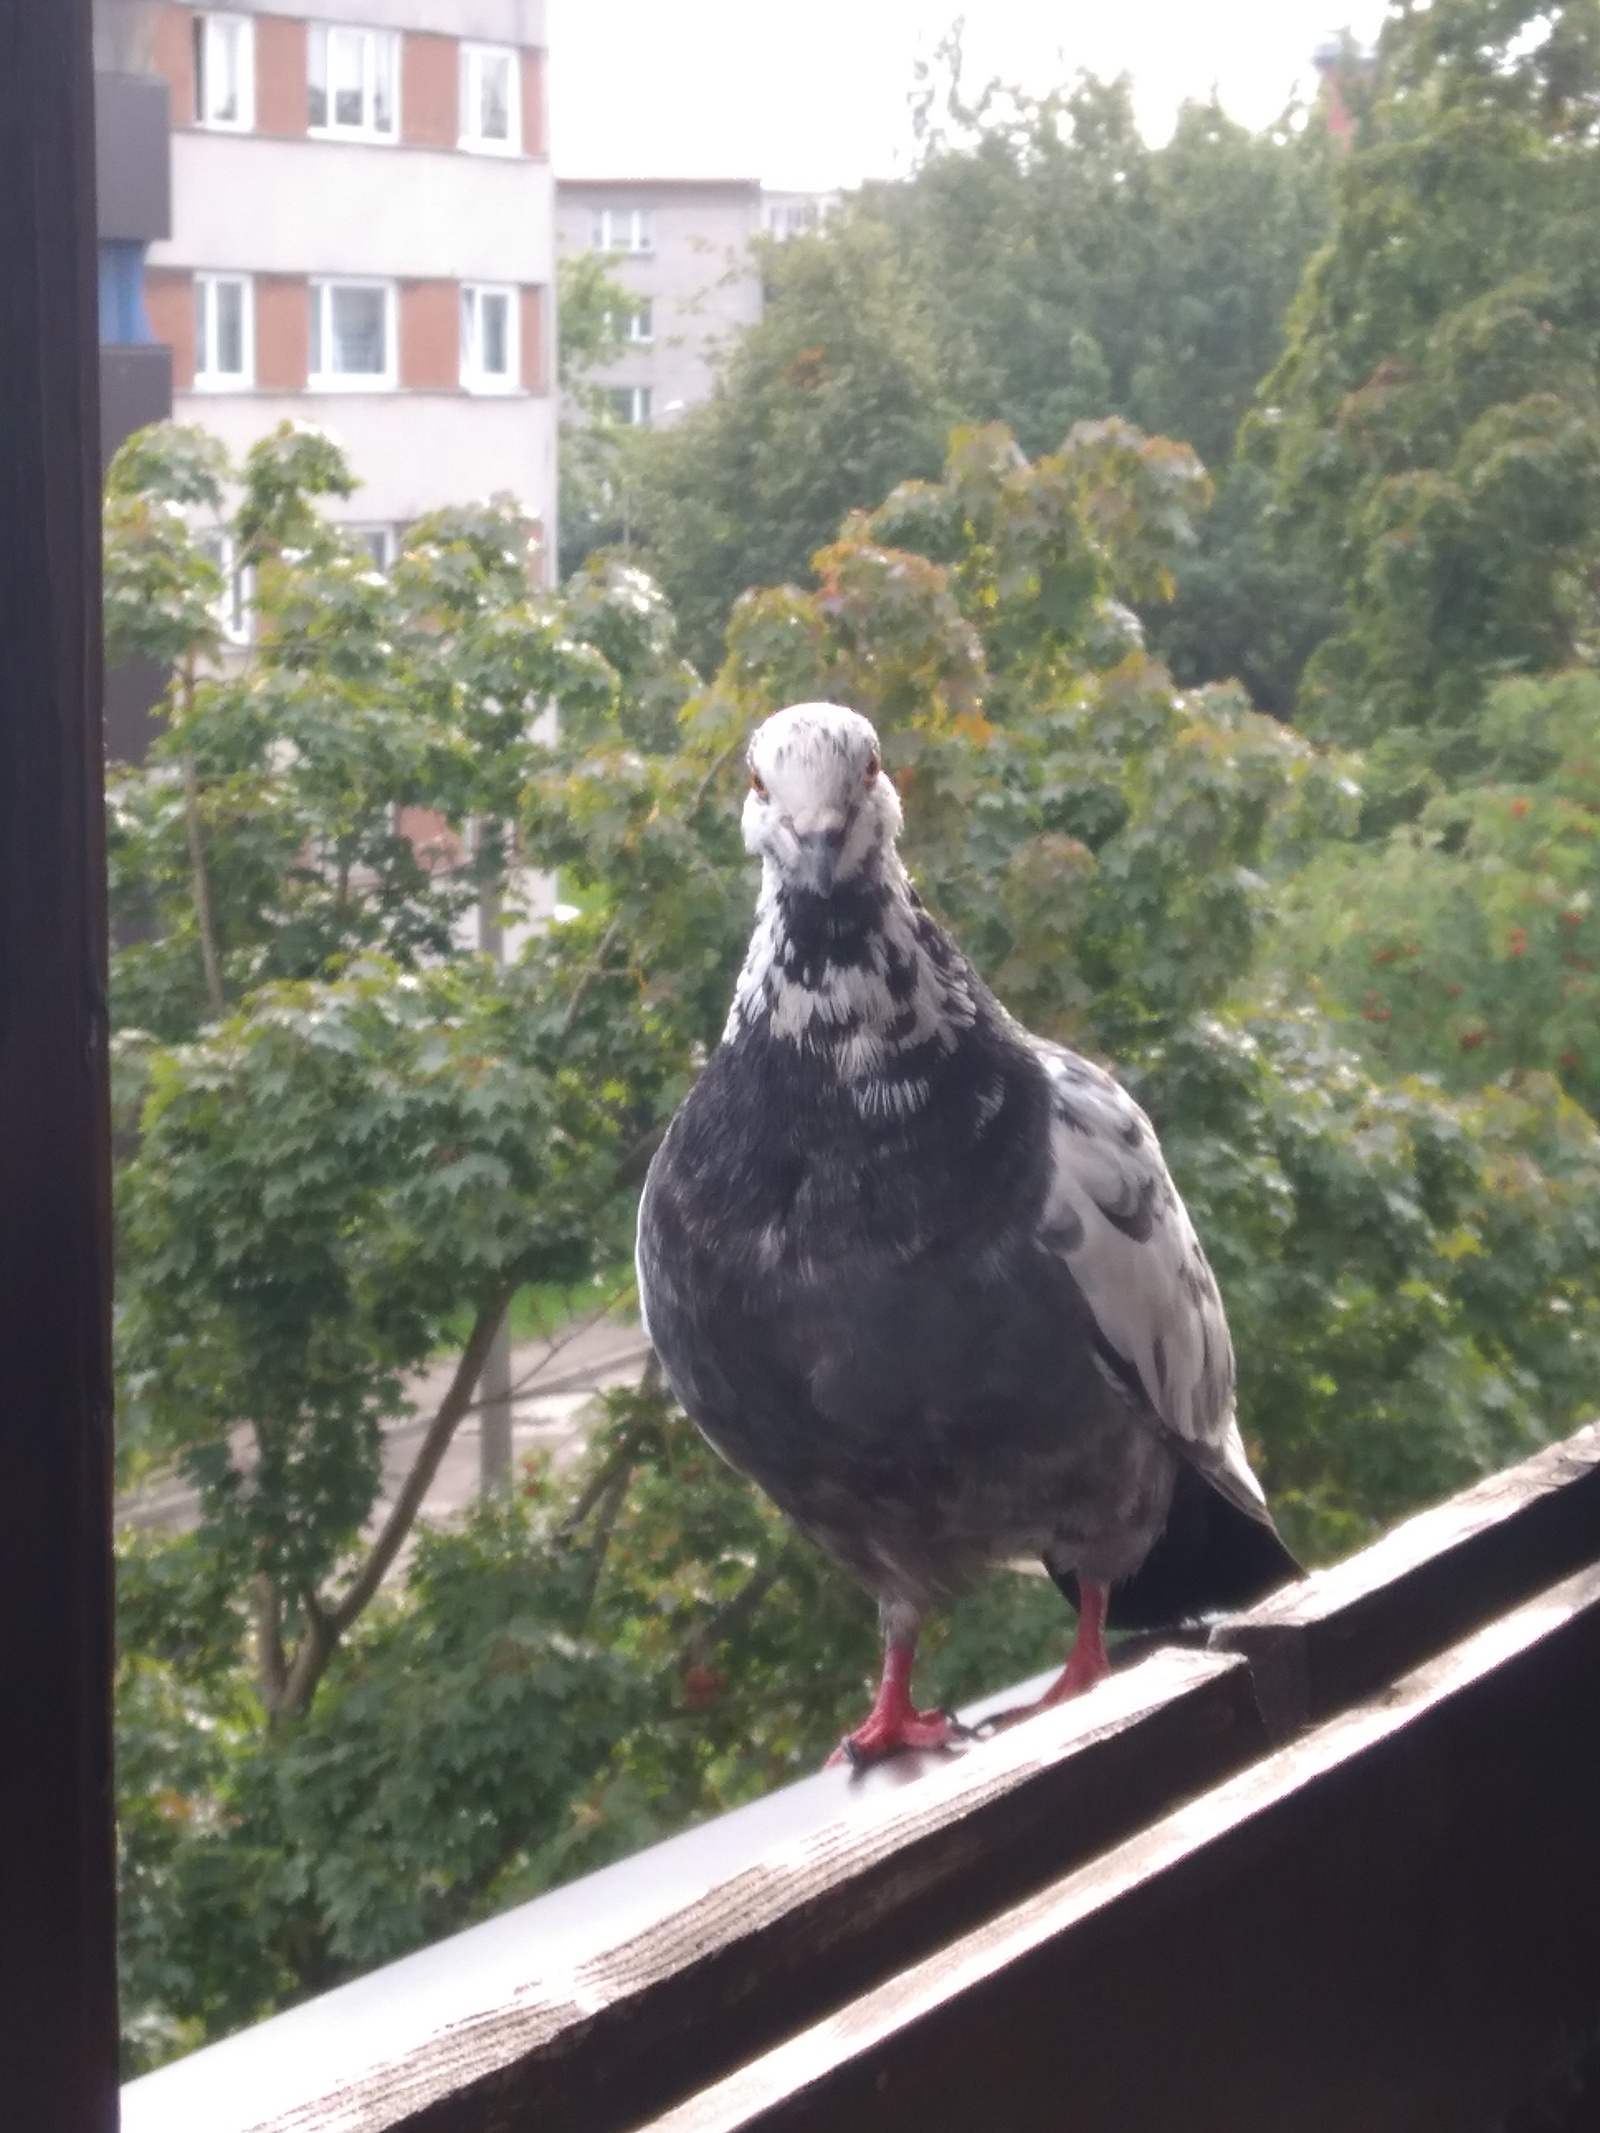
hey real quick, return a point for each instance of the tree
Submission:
(330, 1176)
(1041, 267)
(600, 455)
(1434, 424)
(833, 396)
(349, 1135)
(1467, 945)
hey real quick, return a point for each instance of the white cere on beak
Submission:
(820, 808)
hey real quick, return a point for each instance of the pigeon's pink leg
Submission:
(894, 1722)
(1086, 1662)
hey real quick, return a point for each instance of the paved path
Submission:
(552, 1382)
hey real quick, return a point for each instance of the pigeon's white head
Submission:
(821, 810)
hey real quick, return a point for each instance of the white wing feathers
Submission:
(1114, 1216)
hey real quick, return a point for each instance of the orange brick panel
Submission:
(172, 54)
(169, 306)
(283, 333)
(430, 90)
(430, 335)
(533, 127)
(281, 98)
(533, 354)
(430, 836)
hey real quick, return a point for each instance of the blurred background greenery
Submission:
(1213, 533)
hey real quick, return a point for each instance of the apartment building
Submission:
(363, 221)
(683, 250)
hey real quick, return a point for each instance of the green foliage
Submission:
(1434, 425)
(599, 455)
(1076, 271)
(1043, 267)
(1469, 944)
(322, 1183)
(267, 824)
(832, 397)
(348, 1165)
(1409, 1279)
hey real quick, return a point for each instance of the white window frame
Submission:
(473, 59)
(625, 230)
(234, 608)
(209, 29)
(639, 324)
(640, 397)
(321, 289)
(474, 378)
(207, 377)
(319, 50)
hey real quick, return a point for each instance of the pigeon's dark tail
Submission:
(1212, 1557)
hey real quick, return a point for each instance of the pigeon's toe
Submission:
(890, 1733)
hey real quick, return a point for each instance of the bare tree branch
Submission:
(621, 1459)
(610, 1510)
(325, 1624)
(721, 763)
(436, 1442)
(586, 977)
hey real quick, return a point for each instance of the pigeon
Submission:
(923, 1277)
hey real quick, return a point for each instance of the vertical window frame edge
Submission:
(473, 379)
(204, 20)
(210, 381)
(469, 141)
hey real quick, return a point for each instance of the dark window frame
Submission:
(58, 2026)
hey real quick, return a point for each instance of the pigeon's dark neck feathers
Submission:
(861, 983)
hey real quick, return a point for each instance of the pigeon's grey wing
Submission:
(1113, 1214)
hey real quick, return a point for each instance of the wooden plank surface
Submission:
(1387, 1927)
(1343, 1632)
(596, 2038)
(58, 2018)
(599, 2005)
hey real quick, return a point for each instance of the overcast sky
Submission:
(812, 94)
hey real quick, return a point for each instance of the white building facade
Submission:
(684, 250)
(363, 237)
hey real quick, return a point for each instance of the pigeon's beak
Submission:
(819, 858)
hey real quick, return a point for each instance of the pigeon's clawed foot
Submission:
(887, 1733)
(894, 1722)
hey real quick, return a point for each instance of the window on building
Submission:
(790, 218)
(636, 326)
(222, 332)
(232, 608)
(354, 78)
(488, 339)
(224, 71)
(352, 335)
(375, 541)
(622, 229)
(629, 404)
(491, 113)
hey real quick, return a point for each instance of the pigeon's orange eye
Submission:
(871, 771)
(757, 786)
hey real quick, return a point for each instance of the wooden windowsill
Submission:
(816, 1913)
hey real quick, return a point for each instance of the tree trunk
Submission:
(209, 958)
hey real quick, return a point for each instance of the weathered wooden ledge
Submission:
(1224, 1870)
